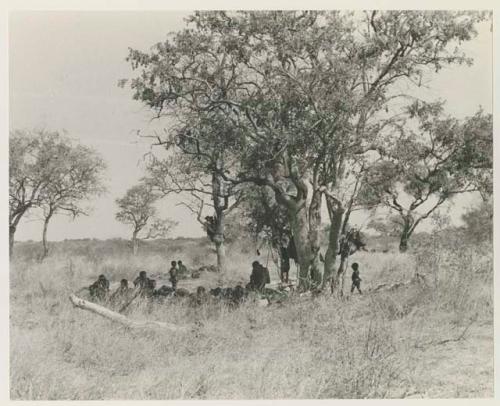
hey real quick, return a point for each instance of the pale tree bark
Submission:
(219, 240)
(44, 234)
(135, 242)
(341, 273)
(336, 214)
(123, 320)
(314, 235)
(12, 232)
(299, 226)
(14, 222)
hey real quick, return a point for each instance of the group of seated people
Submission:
(146, 287)
(143, 286)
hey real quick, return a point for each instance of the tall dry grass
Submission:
(380, 344)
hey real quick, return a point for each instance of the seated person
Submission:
(259, 277)
(100, 288)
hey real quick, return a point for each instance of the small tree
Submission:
(76, 178)
(137, 210)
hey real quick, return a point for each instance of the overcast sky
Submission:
(64, 68)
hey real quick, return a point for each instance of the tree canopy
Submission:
(299, 101)
(431, 162)
(136, 209)
(49, 171)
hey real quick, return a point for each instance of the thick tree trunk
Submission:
(220, 248)
(300, 229)
(314, 237)
(405, 233)
(336, 215)
(220, 222)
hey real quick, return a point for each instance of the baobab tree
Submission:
(137, 210)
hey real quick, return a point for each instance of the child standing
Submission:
(356, 280)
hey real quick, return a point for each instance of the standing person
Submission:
(356, 280)
(285, 261)
(173, 274)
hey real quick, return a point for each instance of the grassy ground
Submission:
(432, 339)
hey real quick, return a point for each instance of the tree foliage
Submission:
(298, 100)
(48, 171)
(478, 222)
(136, 209)
(430, 164)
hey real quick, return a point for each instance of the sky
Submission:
(63, 73)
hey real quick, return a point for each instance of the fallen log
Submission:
(123, 320)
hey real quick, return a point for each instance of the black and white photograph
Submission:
(235, 204)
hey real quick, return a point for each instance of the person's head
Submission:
(174, 264)
(124, 283)
(142, 274)
(355, 266)
(102, 277)
(179, 262)
(255, 264)
(200, 290)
